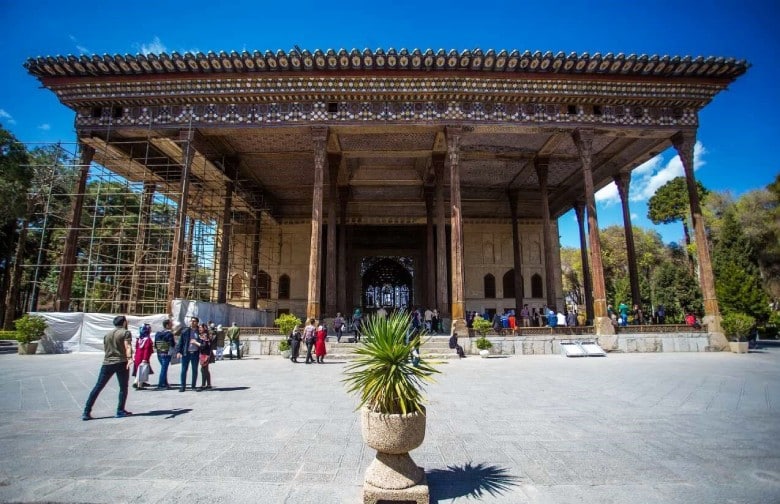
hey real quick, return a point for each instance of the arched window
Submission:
(509, 284)
(537, 289)
(237, 286)
(263, 285)
(284, 287)
(490, 286)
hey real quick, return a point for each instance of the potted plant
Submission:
(737, 327)
(484, 345)
(286, 322)
(29, 329)
(390, 390)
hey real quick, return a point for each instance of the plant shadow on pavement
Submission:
(227, 389)
(469, 480)
(167, 413)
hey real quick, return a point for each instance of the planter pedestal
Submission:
(739, 346)
(27, 348)
(393, 475)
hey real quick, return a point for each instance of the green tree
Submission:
(737, 280)
(670, 204)
(571, 271)
(676, 289)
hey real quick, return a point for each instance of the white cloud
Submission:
(79, 46)
(154, 47)
(5, 116)
(634, 216)
(44, 127)
(645, 183)
(608, 195)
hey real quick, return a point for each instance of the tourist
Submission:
(454, 345)
(338, 326)
(163, 342)
(560, 319)
(435, 321)
(219, 342)
(381, 312)
(118, 350)
(428, 317)
(638, 316)
(525, 316)
(295, 343)
(690, 319)
(187, 350)
(497, 327)
(512, 320)
(552, 318)
(319, 344)
(357, 320)
(661, 314)
(309, 337)
(234, 336)
(571, 318)
(203, 342)
(623, 309)
(144, 347)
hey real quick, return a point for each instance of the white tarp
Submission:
(83, 332)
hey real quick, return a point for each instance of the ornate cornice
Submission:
(379, 60)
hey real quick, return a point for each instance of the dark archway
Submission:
(387, 282)
(489, 282)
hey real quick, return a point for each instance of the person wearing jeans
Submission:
(188, 351)
(163, 342)
(118, 348)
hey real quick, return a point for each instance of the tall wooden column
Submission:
(319, 136)
(331, 286)
(579, 209)
(441, 239)
(254, 261)
(516, 252)
(224, 246)
(138, 280)
(542, 166)
(68, 264)
(179, 237)
(456, 225)
(430, 254)
(584, 141)
(684, 143)
(343, 281)
(623, 181)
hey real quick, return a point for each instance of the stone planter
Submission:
(286, 353)
(393, 475)
(739, 346)
(484, 353)
(28, 348)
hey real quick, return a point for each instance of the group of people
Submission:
(197, 346)
(313, 335)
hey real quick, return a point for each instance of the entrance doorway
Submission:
(387, 282)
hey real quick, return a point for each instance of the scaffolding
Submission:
(128, 226)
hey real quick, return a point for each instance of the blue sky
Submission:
(737, 130)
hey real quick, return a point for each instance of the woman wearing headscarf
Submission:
(203, 341)
(144, 348)
(319, 345)
(295, 342)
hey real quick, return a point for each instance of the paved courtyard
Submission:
(628, 428)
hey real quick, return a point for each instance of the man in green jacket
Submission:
(233, 335)
(118, 348)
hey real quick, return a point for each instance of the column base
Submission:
(605, 333)
(459, 326)
(418, 494)
(718, 340)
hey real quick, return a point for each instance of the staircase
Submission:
(432, 348)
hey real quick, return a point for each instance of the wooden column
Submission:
(138, 277)
(331, 286)
(342, 282)
(254, 261)
(584, 141)
(68, 263)
(179, 238)
(516, 252)
(623, 181)
(224, 246)
(542, 166)
(684, 143)
(456, 229)
(319, 137)
(441, 239)
(579, 209)
(430, 254)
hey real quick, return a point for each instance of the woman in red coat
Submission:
(144, 348)
(319, 345)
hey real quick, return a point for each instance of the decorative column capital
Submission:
(622, 181)
(542, 166)
(583, 139)
(684, 142)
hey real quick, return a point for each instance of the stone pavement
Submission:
(627, 428)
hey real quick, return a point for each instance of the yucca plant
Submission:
(383, 374)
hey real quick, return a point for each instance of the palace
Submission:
(317, 182)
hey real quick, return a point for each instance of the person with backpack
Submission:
(163, 342)
(144, 347)
(309, 337)
(294, 339)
